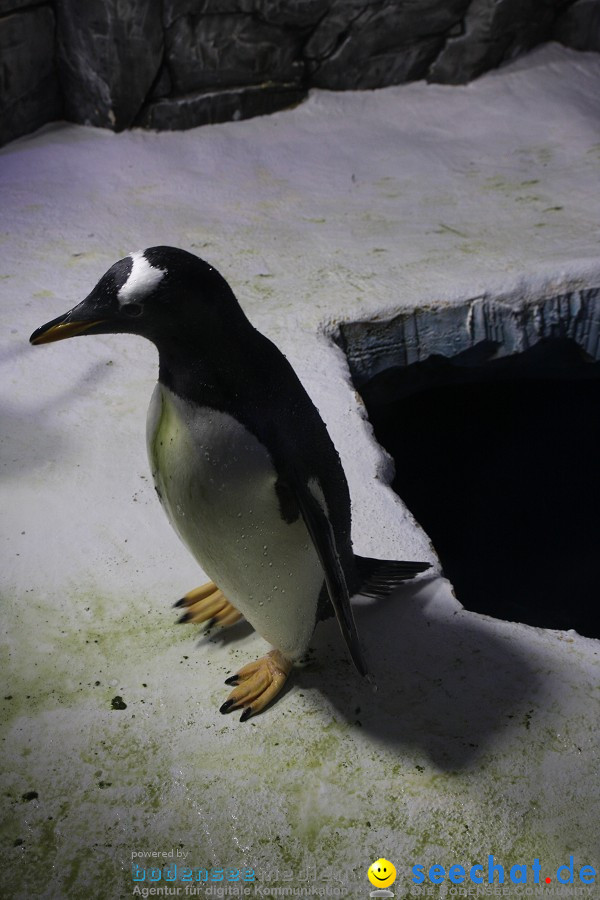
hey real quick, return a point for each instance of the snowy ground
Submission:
(483, 736)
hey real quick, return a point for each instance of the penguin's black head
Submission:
(161, 293)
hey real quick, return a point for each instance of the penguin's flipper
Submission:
(257, 684)
(208, 603)
(323, 538)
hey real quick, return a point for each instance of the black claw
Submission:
(184, 618)
(246, 714)
(212, 622)
(181, 602)
(227, 706)
(233, 679)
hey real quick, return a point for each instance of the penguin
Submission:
(242, 463)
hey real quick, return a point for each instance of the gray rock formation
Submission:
(220, 51)
(109, 55)
(369, 45)
(179, 113)
(579, 26)
(494, 31)
(292, 13)
(29, 89)
(9, 6)
(180, 63)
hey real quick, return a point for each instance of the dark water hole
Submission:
(498, 459)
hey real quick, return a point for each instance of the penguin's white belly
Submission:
(216, 482)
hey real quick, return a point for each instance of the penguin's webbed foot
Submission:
(208, 604)
(257, 684)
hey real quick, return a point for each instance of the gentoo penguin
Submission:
(242, 463)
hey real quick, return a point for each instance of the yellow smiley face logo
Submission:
(382, 873)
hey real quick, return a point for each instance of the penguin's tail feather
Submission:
(379, 577)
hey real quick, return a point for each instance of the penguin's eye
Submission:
(132, 309)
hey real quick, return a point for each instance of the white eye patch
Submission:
(142, 280)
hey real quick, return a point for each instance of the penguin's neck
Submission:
(215, 372)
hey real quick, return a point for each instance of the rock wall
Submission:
(179, 63)
(29, 86)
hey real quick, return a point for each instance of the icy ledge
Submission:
(509, 324)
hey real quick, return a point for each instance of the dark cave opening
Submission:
(496, 459)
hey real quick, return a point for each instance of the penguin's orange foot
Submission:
(257, 684)
(208, 604)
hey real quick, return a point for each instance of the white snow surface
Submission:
(483, 735)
